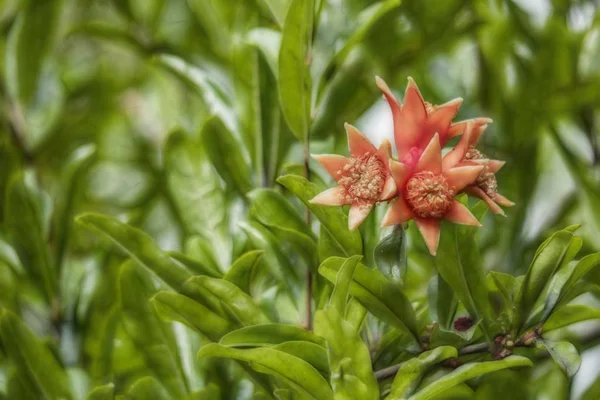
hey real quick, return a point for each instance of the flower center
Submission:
(486, 180)
(428, 195)
(362, 179)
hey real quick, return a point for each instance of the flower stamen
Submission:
(487, 179)
(429, 195)
(362, 179)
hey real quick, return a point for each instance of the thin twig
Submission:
(474, 348)
(309, 277)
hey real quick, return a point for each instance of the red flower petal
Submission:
(460, 177)
(333, 163)
(431, 159)
(358, 213)
(330, 197)
(397, 213)
(459, 214)
(430, 230)
(358, 144)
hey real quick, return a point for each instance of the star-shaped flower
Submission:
(416, 121)
(426, 192)
(363, 179)
(486, 186)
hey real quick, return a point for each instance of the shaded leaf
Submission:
(104, 392)
(243, 269)
(565, 355)
(268, 335)
(570, 314)
(390, 255)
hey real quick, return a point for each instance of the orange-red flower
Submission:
(363, 179)
(416, 121)
(486, 186)
(426, 192)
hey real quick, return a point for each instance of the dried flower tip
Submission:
(487, 179)
(429, 195)
(362, 179)
(430, 107)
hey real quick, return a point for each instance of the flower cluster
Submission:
(421, 184)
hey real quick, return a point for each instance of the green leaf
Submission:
(32, 74)
(390, 255)
(278, 9)
(294, 75)
(197, 267)
(466, 372)
(565, 279)
(411, 372)
(197, 193)
(32, 358)
(312, 353)
(104, 392)
(175, 307)
(548, 258)
(442, 302)
(268, 41)
(226, 154)
(292, 370)
(272, 209)
(564, 353)
(239, 304)
(154, 340)
(147, 388)
(332, 218)
(343, 279)
(382, 298)
(592, 392)
(26, 226)
(503, 289)
(459, 263)
(268, 335)
(140, 246)
(570, 314)
(243, 269)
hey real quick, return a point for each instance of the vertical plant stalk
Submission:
(309, 277)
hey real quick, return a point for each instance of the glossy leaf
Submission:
(197, 193)
(139, 245)
(272, 209)
(240, 305)
(292, 370)
(466, 372)
(565, 355)
(104, 392)
(312, 353)
(460, 264)
(390, 255)
(145, 389)
(226, 154)
(549, 257)
(570, 314)
(25, 221)
(268, 335)
(32, 358)
(294, 60)
(382, 298)
(268, 41)
(332, 218)
(175, 307)
(243, 269)
(442, 302)
(411, 372)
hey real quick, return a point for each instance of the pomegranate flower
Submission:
(363, 179)
(486, 186)
(426, 192)
(416, 121)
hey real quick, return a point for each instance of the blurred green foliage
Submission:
(178, 118)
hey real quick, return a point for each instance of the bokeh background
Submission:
(96, 96)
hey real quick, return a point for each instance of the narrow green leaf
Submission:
(382, 298)
(268, 41)
(548, 258)
(312, 353)
(140, 246)
(568, 315)
(32, 358)
(390, 255)
(25, 223)
(268, 335)
(197, 193)
(442, 302)
(194, 266)
(294, 75)
(411, 372)
(278, 9)
(343, 279)
(565, 279)
(294, 371)
(243, 269)
(104, 392)
(272, 209)
(565, 355)
(175, 307)
(147, 388)
(32, 74)
(459, 263)
(225, 153)
(466, 372)
(592, 392)
(332, 218)
(241, 305)
(154, 340)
